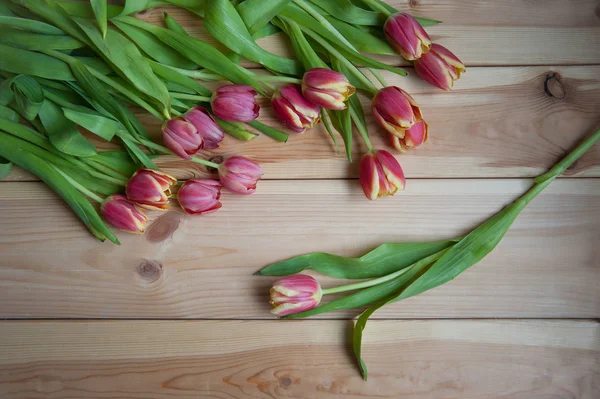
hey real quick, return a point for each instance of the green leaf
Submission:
(52, 12)
(344, 127)
(135, 6)
(303, 50)
(273, 133)
(37, 41)
(155, 49)
(180, 79)
(363, 41)
(100, 12)
(346, 11)
(63, 133)
(26, 62)
(94, 122)
(199, 52)
(12, 150)
(327, 124)
(30, 25)
(84, 9)
(235, 129)
(5, 167)
(225, 24)
(27, 95)
(383, 260)
(119, 161)
(7, 113)
(256, 14)
(173, 25)
(129, 63)
(267, 30)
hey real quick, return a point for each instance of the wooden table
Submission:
(177, 313)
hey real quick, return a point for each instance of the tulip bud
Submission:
(413, 137)
(199, 196)
(240, 175)
(380, 174)
(122, 214)
(395, 110)
(326, 88)
(406, 35)
(150, 189)
(235, 103)
(182, 137)
(210, 132)
(295, 294)
(439, 67)
(293, 110)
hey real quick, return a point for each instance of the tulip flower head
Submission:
(235, 103)
(210, 132)
(182, 137)
(122, 214)
(240, 175)
(439, 67)
(200, 196)
(413, 137)
(293, 110)
(395, 110)
(406, 35)
(326, 88)
(294, 294)
(380, 174)
(150, 189)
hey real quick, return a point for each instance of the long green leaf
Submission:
(101, 13)
(94, 122)
(26, 94)
(273, 133)
(363, 41)
(120, 161)
(84, 9)
(35, 41)
(225, 24)
(303, 50)
(63, 133)
(256, 14)
(177, 77)
(7, 113)
(348, 12)
(26, 62)
(383, 260)
(30, 25)
(173, 25)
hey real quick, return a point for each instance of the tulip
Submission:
(210, 132)
(380, 174)
(326, 88)
(294, 294)
(293, 110)
(122, 214)
(413, 137)
(439, 67)
(240, 175)
(150, 189)
(406, 35)
(182, 137)
(199, 196)
(235, 103)
(395, 110)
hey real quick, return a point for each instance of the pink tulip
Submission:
(207, 127)
(395, 110)
(413, 137)
(150, 189)
(235, 103)
(380, 174)
(293, 110)
(122, 214)
(199, 196)
(326, 88)
(182, 137)
(295, 294)
(240, 175)
(406, 35)
(440, 67)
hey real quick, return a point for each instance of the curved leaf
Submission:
(28, 96)
(348, 12)
(30, 25)
(29, 63)
(100, 12)
(93, 122)
(256, 14)
(37, 41)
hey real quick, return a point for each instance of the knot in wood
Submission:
(150, 270)
(216, 159)
(285, 382)
(553, 86)
(413, 3)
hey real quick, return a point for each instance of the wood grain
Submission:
(510, 32)
(499, 122)
(309, 359)
(201, 267)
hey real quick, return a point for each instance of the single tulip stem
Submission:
(155, 146)
(79, 187)
(175, 112)
(183, 96)
(378, 76)
(199, 74)
(377, 6)
(205, 162)
(282, 79)
(323, 21)
(362, 130)
(105, 169)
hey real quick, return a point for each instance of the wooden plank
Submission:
(243, 359)
(499, 122)
(201, 267)
(513, 32)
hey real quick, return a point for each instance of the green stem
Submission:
(361, 129)
(567, 161)
(205, 162)
(105, 169)
(379, 77)
(283, 79)
(196, 73)
(183, 96)
(103, 175)
(323, 21)
(79, 187)
(166, 151)
(376, 5)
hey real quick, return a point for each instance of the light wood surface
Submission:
(244, 359)
(522, 324)
(201, 267)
